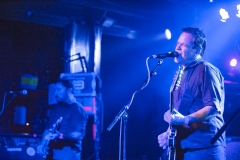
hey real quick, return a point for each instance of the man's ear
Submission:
(70, 90)
(198, 51)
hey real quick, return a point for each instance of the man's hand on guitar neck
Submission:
(176, 118)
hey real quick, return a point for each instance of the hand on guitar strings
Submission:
(44, 145)
(162, 139)
(176, 118)
(40, 149)
(52, 136)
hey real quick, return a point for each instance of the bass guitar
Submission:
(47, 151)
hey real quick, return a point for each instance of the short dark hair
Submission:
(66, 82)
(200, 38)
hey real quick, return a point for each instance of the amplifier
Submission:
(84, 83)
(86, 87)
(20, 147)
(89, 104)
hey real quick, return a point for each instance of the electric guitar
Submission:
(171, 152)
(47, 151)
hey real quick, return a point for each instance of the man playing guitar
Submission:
(65, 139)
(196, 104)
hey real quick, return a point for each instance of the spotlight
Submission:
(224, 14)
(233, 62)
(238, 9)
(168, 34)
(164, 35)
(234, 70)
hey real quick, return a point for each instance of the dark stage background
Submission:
(38, 49)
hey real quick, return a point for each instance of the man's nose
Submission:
(178, 47)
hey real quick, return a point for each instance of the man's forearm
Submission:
(44, 137)
(71, 136)
(203, 114)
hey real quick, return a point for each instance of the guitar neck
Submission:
(172, 155)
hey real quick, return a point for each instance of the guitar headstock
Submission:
(56, 125)
(59, 120)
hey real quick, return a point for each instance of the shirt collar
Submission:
(194, 63)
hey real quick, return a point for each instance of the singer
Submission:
(197, 100)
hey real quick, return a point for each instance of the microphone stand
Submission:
(4, 100)
(124, 116)
(82, 59)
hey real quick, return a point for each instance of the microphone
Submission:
(23, 92)
(164, 55)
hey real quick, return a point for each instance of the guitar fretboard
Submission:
(179, 77)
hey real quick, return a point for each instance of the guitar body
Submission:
(170, 152)
(47, 149)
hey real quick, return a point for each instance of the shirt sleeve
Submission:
(213, 87)
(78, 119)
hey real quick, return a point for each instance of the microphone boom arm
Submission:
(126, 107)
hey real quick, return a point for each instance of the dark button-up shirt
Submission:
(74, 119)
(201, 85)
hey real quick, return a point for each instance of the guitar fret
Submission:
(179, 77)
